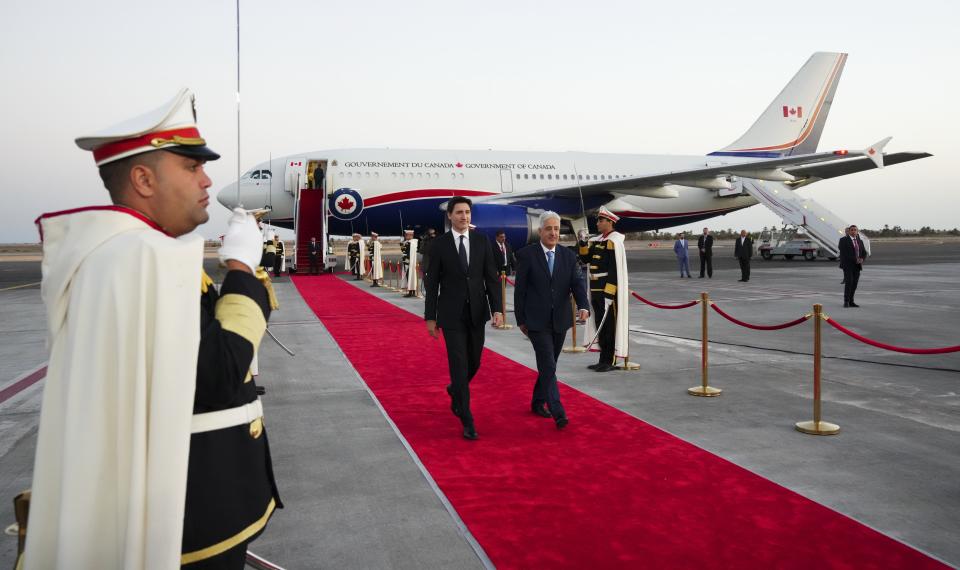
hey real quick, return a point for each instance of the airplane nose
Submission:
(228, 196)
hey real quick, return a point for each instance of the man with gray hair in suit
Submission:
(546, 277)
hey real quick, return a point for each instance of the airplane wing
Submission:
(820, 164)
(833, 169)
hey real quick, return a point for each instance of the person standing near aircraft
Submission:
(426, 241)
(318, 178)
(705, 245)
(408, 251)
(278, 262)
(376, 261)
(313, 251)
(462, 290)
(682, 250)
(353, 252)
(269, 254)
(546, 277)
(606, 267)
(743, 251)
(852, 255)
(151, 451)
(505, 257)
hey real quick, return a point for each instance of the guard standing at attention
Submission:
(356, 263)
(599, 255)
(278, 262)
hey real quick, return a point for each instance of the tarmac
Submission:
(358, 498)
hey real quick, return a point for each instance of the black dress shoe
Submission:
(845, 305)
(740, 280)
(701, 277)
(541, 411)
(605, 368)
(469, 432)
(453, 402)
(562, 422)
(852, 304)
(595, 366)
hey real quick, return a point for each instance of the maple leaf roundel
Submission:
(345, 204)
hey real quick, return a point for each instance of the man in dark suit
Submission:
(462, 289)
(504, 254)
(546, 276)
(313, 250)
(705, 245)
(852, 254)
(743, 251)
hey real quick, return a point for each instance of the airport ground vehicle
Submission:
(789, 242)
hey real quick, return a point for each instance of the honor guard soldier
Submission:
(376, 261)
(605, 276)
(280, 260)
(151, 451)
(408, 250)
(269, 252)
(353, 254)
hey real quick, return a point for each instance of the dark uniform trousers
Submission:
(464, 348)
(547, 346)
(231, 491)
(607, 334)
(851, 277)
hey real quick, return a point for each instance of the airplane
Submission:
(388, 190)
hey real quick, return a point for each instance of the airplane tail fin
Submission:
(793, 122)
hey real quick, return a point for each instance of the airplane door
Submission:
(506, 180)
(295, 178)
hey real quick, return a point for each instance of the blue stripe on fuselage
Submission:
(749, 154)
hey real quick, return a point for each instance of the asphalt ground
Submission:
(357, 497)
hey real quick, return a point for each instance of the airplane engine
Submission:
(520, 227)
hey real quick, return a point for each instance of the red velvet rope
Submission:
(760, 327)
(659, 306)
(884, 346)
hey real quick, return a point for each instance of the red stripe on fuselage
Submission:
(425, 193)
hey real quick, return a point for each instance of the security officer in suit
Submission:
(600, 258)
(852, 255)
(743, 251)
(705, 246)
(506, 260)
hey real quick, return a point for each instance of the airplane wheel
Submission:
(809, 256)
(788, 255)
(766, 255)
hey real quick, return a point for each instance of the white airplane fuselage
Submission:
(400, 189)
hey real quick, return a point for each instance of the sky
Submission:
(601, 76)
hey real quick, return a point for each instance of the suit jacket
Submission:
(744, 252)
(511, 260)
(848, 257)
(705, 244)
(448, 288)
(541, 301)
(681, 248)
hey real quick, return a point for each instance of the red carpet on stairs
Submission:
(609, 491)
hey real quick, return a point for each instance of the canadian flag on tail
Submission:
(792, 112)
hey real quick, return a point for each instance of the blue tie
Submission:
(550, 261)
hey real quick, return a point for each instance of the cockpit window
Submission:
(255, 175)
(265, 174)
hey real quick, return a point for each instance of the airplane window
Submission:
(564, 176)
(394, 174)
(265, 174)
(454, 175)
(367, 174)
(518, 177)
(594, 176)
(461, 175)
(419, 175)
(549, 176)
(541, 177)
(376, 175)
(579, 176)
(256, 175)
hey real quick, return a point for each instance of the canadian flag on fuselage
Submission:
(793, 112)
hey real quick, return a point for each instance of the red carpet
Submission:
(609, 491)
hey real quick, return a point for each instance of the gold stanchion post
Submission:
(503, 300)
(817, 427)
(574, 347)
(704, 389)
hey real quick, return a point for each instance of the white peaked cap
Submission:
(171, 127)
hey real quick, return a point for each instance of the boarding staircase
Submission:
(309, 223)
(820, 224)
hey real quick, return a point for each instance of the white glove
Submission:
(607, 301)
(243, 241)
